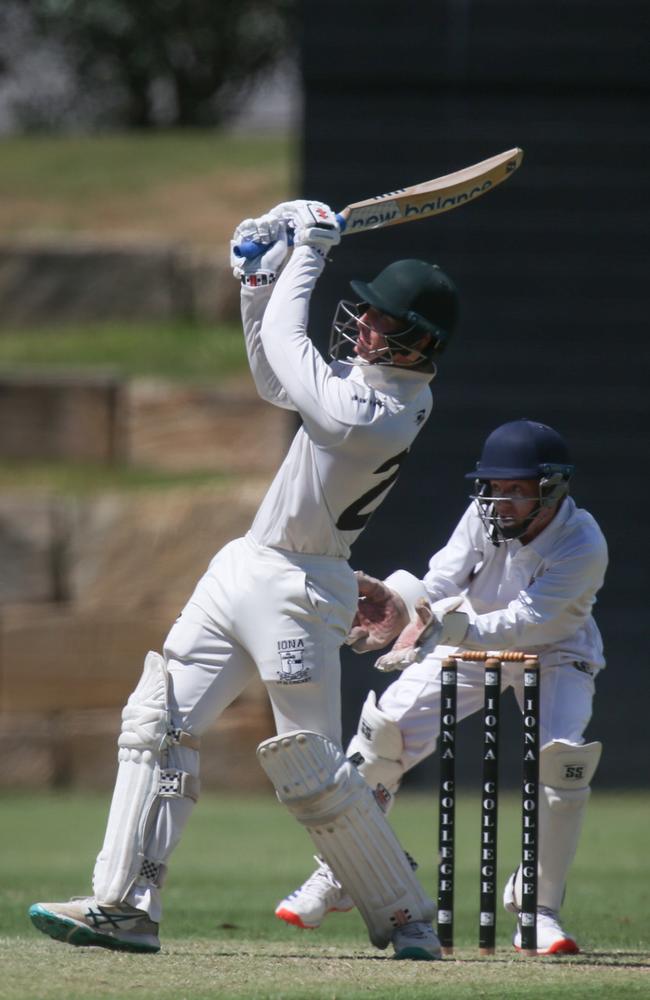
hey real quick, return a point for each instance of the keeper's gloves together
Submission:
(381, 615)
(442, 625)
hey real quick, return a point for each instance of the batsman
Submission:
(280, 601)
(520, 572)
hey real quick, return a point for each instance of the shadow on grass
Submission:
(604, 959)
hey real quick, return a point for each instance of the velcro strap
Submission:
(173, 784)
(258, 279)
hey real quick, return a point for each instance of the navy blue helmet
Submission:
(520, 449)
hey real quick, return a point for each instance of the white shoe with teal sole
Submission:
(85, 922)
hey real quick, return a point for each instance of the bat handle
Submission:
(249, 249)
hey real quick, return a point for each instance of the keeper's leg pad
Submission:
(376, 748)
(566, 770)
(568, 765)
(157, 763)
(327, 795)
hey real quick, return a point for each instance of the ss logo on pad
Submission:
(574, 771)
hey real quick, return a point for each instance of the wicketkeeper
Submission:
(520, 571)
(281, 600)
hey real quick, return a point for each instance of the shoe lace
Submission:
(314, 884)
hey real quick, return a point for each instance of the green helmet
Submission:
(419, 294)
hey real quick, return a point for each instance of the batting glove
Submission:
(270, 232)
(314, 224)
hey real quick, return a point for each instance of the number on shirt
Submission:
(352, 519)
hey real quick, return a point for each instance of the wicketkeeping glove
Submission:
(270, 232)
(428, 630)
(381, 615)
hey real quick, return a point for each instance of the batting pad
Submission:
(327, 795)
(146, 774)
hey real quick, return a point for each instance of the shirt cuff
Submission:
(409, 588)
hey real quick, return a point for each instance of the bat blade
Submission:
(419, 201)
(441, 194)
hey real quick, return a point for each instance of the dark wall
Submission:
(552, 268)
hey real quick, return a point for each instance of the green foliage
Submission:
(240, 855)
(197, 54)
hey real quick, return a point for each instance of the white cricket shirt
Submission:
(359, 421)
(536, 597)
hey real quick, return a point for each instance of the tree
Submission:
(182, 62)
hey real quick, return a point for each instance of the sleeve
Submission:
(451, 567)
(254, 302)
(409, 588)
(555, 606)
(323, 400)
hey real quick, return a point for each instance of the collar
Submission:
(546, 539)
(393, 380)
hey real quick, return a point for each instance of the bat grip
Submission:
(249, 249)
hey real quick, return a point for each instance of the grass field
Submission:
(194, 185)
(240, 855)
(84, 479)
(183, 352)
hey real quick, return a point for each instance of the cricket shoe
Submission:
(83, 921)
(417, 941)
(552, 939)
(319, 895)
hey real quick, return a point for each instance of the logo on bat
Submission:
(383, 213)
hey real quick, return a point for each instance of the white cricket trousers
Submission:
(413, 702)
(256, 609)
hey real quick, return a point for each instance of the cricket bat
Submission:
(420, 200)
